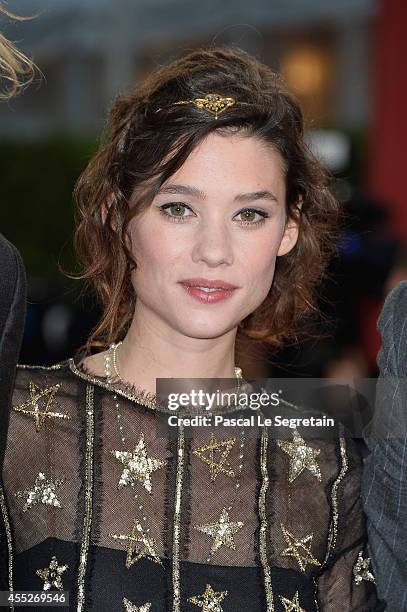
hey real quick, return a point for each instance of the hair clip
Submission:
(212, 103)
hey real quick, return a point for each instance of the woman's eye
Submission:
(176, 209)
(251, 216)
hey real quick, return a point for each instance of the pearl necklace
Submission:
(115, 346)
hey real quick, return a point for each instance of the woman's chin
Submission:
(206, 330)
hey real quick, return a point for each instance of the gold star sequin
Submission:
(39, 405)
(302, 457)
(42, 492)
(222, 531)
(361, 569)
(292, 605)
(52, 575)
(299, 549)
(137, 465)
(131, 607)
(215, 454)
(210, 600)
(136, 537)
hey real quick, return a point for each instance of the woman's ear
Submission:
(291, 231)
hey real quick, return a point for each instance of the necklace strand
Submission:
(109, 379)
(114, 346)
(123, 439)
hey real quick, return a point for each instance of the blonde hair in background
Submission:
(16, 69)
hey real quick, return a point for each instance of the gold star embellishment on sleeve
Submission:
(299, 549)
(134, 539)
(52, 575)
(215, 454)
(222, 531)
(39, 405)
(210, 600)
(137, 465)
(302, 457)
(292, 605)
(42, 492)
(131, 607)
(361, 569)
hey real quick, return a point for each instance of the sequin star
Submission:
(361, 569)
(292, 605)
(136, 537)
(42, 492)
(222, 531)
(39, 405)
(52, 575)
(131, 607)
(302, 457)
(137, 465)
(210, 600)
(215, 454)
(299, 549)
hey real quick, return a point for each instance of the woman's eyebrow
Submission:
(197, 193)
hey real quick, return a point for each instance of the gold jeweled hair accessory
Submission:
(212, 103)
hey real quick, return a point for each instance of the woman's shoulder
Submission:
(37, 368)
(34, 375)
(39, 391)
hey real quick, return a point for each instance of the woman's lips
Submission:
(208, 297)
(207, 283)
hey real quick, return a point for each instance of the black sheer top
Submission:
(100, 501)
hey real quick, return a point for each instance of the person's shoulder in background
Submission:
(392, 323)
(384, 483)
(12, 302)
(12, 319)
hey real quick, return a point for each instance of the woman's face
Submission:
(220, 217)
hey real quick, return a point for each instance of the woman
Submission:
(203, 215)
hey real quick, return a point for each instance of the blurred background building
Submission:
(89, 50)
(342, 58)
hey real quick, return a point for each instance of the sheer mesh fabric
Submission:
(54, 451)
(256, 563)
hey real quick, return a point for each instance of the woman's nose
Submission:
(213, 245)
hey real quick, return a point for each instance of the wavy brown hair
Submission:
(142, 148)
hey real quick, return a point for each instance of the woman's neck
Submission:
(150, 351)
